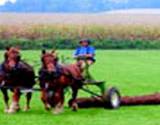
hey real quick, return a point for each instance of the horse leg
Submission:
(61, 108)
(59, 102)
(14, 107)
(28, 99)
(44, 100)
(6, 99)
(72, 101)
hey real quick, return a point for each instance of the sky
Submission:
(75, 5)
(3, 2)
(119, 1)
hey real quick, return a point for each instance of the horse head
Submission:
(49, 61)
(12, 58)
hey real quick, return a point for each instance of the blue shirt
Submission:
(84, 50)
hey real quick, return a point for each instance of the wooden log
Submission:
(90, 102)
(152, 99)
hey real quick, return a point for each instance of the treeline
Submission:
(67, 37)
(71, 44)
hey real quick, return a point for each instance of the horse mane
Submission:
(48, 54)
(12, 49)
(25, 65)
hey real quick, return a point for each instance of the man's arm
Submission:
(76, 53)
(91, 52)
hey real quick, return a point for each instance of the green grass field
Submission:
(133, 72)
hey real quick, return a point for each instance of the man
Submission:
(85, 55)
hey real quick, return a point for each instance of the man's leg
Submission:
(87, 74)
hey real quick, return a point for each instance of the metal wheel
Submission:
(112, 98)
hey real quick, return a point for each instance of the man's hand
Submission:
(89, 55)
(81, 57)
(84, 55)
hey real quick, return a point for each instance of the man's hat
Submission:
(85, 40)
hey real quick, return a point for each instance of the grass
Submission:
(133, 72)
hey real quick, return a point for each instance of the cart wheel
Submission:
(112, 98)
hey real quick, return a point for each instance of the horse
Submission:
(54, 79)
(15, 74)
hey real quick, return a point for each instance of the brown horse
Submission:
(15, 74)
(54, 79)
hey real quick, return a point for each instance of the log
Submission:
(90, 102)
(152, 99)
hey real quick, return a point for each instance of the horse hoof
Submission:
(26, 109)
(11, 111)
(74, 107)
(57, 111)
(6, 110)
(17, 109)
(47, 107)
